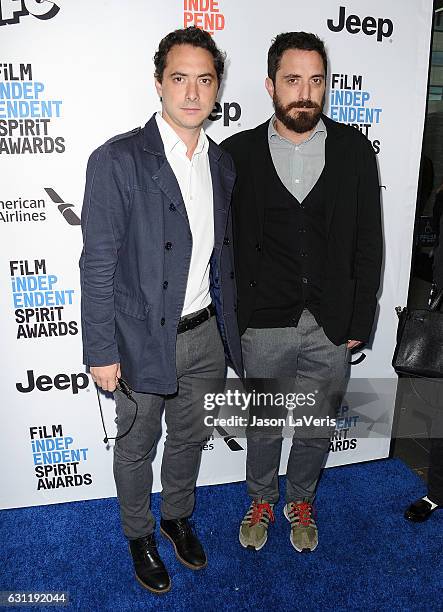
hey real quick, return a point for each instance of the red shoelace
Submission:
(257, 512)
(303, 510)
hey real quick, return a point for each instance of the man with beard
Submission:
(308, 250)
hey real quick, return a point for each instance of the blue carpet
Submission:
(369, 557)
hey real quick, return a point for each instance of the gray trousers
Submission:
(199, 356)
(298, 359)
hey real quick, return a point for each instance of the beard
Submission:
(301, 122)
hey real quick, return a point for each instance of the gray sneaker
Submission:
(304, 532)
(254, 527)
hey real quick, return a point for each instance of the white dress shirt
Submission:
(195, 182)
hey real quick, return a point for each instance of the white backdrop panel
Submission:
(83, 73)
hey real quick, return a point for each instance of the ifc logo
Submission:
(12, 10)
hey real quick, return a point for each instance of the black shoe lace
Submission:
(150, 545)
(184, 527)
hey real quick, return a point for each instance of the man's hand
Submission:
(351, 344)
(106, 376)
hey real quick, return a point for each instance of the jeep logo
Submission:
(369, 25)
(75, 382)
(230, 111)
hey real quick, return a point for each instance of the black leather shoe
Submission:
(187, 547)
(419, 511)
(149, 568)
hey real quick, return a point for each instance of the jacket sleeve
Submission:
(369, 245)
(103, 224)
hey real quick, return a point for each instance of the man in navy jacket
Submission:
(158, 293)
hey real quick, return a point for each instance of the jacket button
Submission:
(253, 283)
(168, 246)
(165, 285)
(162, 322)
(258, 247)
(172, 207)
(226, 241)
(232, 275)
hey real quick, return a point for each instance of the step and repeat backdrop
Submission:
(73, 74)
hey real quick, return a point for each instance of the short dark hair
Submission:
(188, 36)
(293, 40)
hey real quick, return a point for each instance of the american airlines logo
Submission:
(64, 208)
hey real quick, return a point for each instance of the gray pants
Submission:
(199, 355)
(304, 360)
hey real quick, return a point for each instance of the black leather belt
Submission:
(189, 322)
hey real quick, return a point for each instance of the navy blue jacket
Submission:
(134, 266)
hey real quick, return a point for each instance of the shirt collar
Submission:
(171, 139)
(320, 128)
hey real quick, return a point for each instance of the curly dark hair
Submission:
(293, 40)
(188, 36)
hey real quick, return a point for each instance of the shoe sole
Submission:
(188, 565)
(156, 591)
(250, 547)
(300, 550)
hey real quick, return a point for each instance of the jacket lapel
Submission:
(222, 184)
(334, 166)
(164, 177)
(259, 164)
(167, 182)
(222, 180)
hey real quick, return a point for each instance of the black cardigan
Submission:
(353, 221)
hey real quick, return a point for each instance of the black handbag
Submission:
(419, 349)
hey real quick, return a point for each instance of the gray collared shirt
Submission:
(298, 166)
